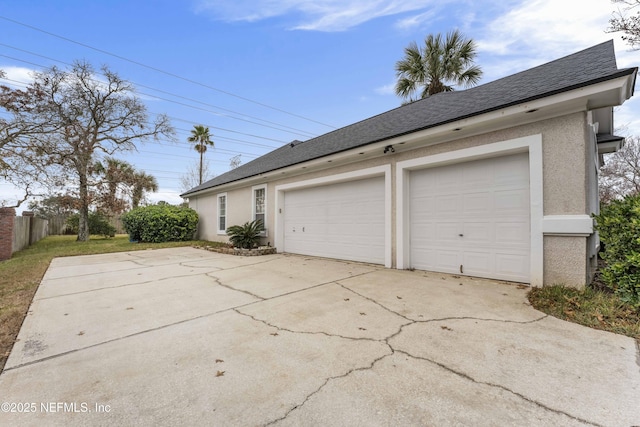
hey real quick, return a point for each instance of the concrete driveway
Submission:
(188, 337)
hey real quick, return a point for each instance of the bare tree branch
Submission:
(66, 117)
(626, 21)
(620, 175)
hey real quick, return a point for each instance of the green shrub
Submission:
(98, 225)
(245, 236)
(619, 227)
(160, 223)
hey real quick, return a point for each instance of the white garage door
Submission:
(472, 218)
(344, 221)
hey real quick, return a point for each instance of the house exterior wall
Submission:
(207, 214)
(565, 143)
(565, 261)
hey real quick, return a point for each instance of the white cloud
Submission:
(547, 28)
(416, 21)
(537, 31)
(316, 15)
(17, 77)
(169, 196)
(386, 89)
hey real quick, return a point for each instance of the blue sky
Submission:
(263, 73)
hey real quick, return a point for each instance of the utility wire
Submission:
(168, 100)
(164, 72)
(285, 127)
(177, 118)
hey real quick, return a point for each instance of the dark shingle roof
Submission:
(580, 69)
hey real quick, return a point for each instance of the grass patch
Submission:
(598, 309)
(21, 275)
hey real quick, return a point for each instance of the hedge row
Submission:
(160, 223)
(619, 226)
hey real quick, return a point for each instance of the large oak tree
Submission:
(71, 117)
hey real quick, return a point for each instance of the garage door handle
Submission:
(460, 235)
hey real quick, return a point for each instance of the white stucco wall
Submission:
(565, 141)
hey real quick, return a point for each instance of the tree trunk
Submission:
(201, 153)
(83, 224)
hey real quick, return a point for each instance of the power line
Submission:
(165, 72)
(192, 122)
(285, 127)
(305, 134)
(227, 130)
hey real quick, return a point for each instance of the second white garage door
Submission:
(472, 218)
(343, 221)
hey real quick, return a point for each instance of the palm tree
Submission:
(116, 173)
(141, 183)
(437, 66)
(200, 136)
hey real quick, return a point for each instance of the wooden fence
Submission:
(57, 225)
(19, 232)
(27, 230)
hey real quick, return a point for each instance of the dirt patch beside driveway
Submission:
(185, 336)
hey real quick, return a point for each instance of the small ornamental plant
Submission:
(246, 236)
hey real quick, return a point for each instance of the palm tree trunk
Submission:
(201, 153)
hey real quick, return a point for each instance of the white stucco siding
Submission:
(564, 184)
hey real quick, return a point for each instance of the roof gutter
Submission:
(614, 90)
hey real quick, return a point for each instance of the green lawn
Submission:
(598, 309)
(20, 275)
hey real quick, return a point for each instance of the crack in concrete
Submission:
(219, 282)
(279, 328)
(327, 380)
(439, 319)
(260, 299)
(374, 301)
(248, 265)
(324, 384)
(519, 322)
(92, 274)
(75, 350)
(123, 286)
(394, 350)
(515, 393)
(309, 287)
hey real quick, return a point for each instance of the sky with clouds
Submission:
(261, 73)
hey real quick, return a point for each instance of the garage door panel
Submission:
(477, 203)
(511, 265)
(447, 260)
(446, 204)
(509, 172)
(478, 263)
(513, 233)
(344, 221)
(487, 201)
(513, 201)
(478, 233)
(476, 177)
(445, 231)
(447, 180)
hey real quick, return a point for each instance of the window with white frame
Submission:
(259, 204)
(222, 213)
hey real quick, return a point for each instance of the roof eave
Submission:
(607, 91)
